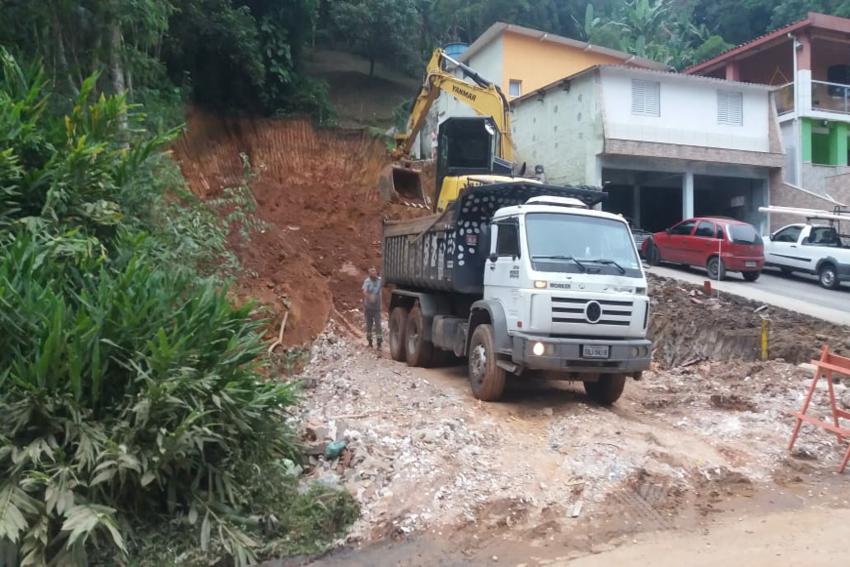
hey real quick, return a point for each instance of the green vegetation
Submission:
(250, 55)
(133, 399)
(140, 422)
(377, 29)
(242, 55)
(678, 32)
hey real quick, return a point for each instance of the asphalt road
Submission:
(797, 292)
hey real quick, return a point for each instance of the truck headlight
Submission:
(541, 284)
(538, 349)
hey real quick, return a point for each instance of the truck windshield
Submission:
(560, 242)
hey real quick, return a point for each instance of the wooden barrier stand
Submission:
(825, 367)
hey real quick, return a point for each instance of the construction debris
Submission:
(431, 459)
(686, 325)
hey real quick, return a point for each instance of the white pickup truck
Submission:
(813, 249)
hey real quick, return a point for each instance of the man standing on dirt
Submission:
(372, 306)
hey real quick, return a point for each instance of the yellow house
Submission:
(521, 60)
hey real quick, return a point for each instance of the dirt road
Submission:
(547, 476)
(815, 537)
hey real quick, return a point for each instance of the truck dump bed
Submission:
(447, 251)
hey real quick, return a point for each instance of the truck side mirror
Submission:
(493, 257)
(668, 230)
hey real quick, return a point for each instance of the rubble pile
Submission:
(690, 323)
(746, 405)
(707, 424)
(405, 449)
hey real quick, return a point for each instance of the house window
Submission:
(515, 87)
(730, 108)
(646, 97)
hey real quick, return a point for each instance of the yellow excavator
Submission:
(471, 151)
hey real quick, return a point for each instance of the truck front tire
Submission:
(607, 389)
(398, 326)
(420, 351)
(485, 377)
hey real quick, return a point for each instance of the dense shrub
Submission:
(124, 386)
(132, 400)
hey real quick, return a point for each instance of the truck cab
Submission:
(517, 281)
(572, 289)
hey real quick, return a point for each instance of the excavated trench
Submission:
(688, 326)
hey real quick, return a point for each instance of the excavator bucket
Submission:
(402, 184)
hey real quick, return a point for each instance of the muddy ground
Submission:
(316, 191)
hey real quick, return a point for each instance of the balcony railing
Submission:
(830, 97)
(785, 99)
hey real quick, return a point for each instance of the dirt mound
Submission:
(316, 190)
(688, 326)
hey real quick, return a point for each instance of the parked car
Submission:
(639, 235)
(811, 249)
(720, 245)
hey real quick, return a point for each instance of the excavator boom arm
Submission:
(484, 97)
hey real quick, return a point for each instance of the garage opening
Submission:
(732, 197)
(650, 200)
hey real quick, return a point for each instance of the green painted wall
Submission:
(825, 149)
(806, 134)
(820, 149)
(838, 143)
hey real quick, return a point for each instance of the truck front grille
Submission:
(574, 310)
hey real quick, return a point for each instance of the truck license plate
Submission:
(594, 351)
(750, 264)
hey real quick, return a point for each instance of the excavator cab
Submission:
(466, 146)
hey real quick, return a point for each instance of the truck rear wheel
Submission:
(607, 389)
(419, 350)
(485, 377)
(398, 326)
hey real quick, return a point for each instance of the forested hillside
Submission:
(249, 55)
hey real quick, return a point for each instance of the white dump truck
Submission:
(519, 277)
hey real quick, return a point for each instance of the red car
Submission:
(717, 244)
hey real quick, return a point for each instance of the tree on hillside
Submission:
(241, 54)
(787, 11)
(117, 38)
(379, 30)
